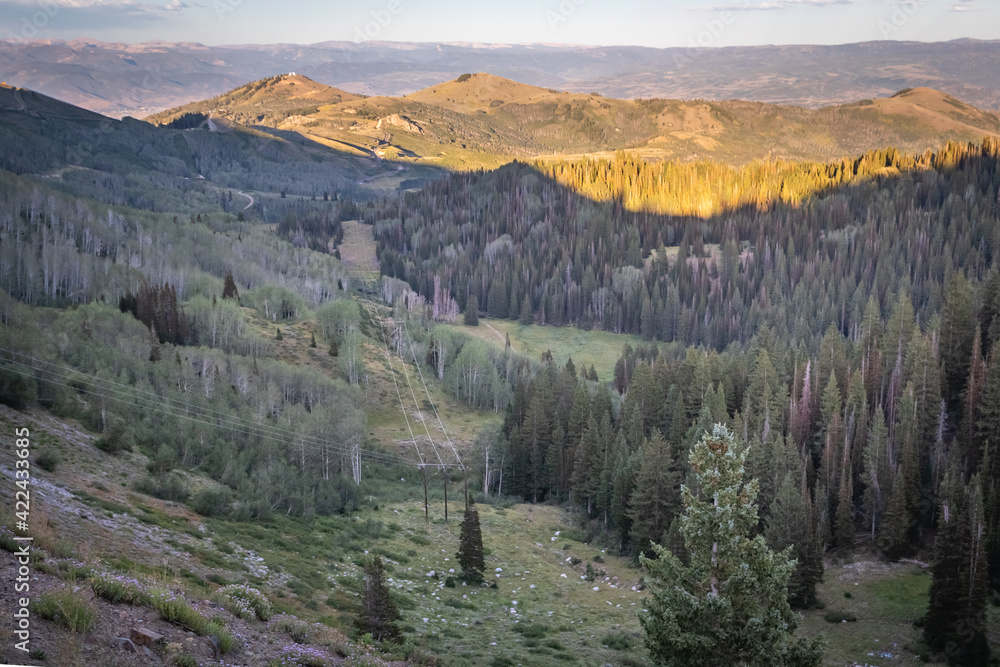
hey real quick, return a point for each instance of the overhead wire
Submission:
(399, 395)
(171, 407)
(429, 398)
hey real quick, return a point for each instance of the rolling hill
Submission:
(135, 163)
(482, 120)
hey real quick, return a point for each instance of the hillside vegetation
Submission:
(287, 397)
(482, 120)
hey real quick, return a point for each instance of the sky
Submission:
(655, 23)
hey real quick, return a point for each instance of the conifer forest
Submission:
(268, 364)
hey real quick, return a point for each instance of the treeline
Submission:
(279, 438)
(879, 439)
(804, 247)
(59, 250)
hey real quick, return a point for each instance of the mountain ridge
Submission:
(163, 75)
(482, 120)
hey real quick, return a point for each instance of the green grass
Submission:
(67, 609)
(884, 598)
(599, 349)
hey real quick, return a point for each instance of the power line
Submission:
(164, 404)
(388, 358)
(433, 407)
(417, 406)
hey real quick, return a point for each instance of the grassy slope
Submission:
(598, 348)
(486, 120)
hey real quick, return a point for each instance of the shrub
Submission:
(244, 602)
(839, 617)
(212, 502)
(66, 609)
(116, 588)
(175, 609)
(532, 630)
(115, 439)
(7, 541)
(462, 78)
(617, 640)
(168, 487)
(48, 459)
(300, 631)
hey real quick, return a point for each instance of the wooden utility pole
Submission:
(427, 518)
(446, 495)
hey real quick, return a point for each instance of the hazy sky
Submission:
(656, 23)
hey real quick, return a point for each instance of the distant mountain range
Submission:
(120, 79)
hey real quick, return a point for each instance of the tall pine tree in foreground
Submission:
(470, 546)
(378, 612)
(729, 605)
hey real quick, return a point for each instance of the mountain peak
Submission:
(482, 91)
(273, 97)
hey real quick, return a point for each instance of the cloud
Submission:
(44, 19)
(133, 8)
(965, 6)
(770, 5)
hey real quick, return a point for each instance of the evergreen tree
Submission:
(470, 546)
(312, 340)
(378, 612)
(876, 472)
(729, 605)
(471, 316)
(844, 526)
(892, 536)
(527, 316)
(277, 335)
(956, 613)
(791, 525)
(655, 500)
(229, 290)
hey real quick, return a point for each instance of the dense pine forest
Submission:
(793, 247)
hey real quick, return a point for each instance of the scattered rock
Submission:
(123, 644)
(144, 637)
(214, 643)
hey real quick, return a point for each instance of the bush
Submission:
(212, 502)
(300, 631)
(168, 487)
(462, 78)
(115, 439)
(532, 631)
(839, 617)
(617, 640)
(244, 602)
(7, 541)
(48, 459)
(66, 609)
(15, 391)
(117, 588)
